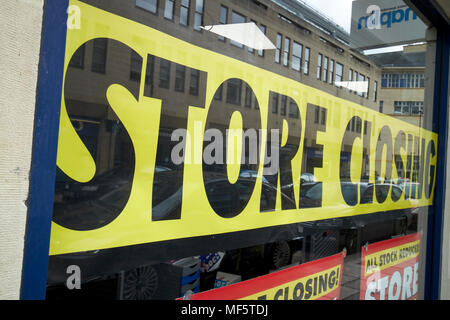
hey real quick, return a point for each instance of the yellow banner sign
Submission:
(383, 146)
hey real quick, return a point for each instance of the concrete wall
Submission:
(20, 22)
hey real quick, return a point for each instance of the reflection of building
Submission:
(402, 91)
(402, 83)
(308, 49)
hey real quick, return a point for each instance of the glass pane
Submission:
(215, 150)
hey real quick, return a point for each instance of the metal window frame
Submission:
(45, 141)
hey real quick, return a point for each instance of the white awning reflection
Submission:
(247, 34)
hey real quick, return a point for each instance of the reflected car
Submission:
(252, 174)
(104, 205)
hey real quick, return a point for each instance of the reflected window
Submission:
(375, 91)
(149, 5)
(274, 102)
(319, 66)
(316, 114)
(339, 73)
(278, 48)
(198, 15)
(325, 69)
(361, 78)
(408, 107)
(164, 73)
(293, 109)
(180, 76)
(297, 49)
(283, 105)
(237, 18)
(287, 47)
(263, 30)
(194, 83)
(368, 88)
(135, 67)
(350, 77)
(248, 96)
(331, 72)
(77, 60)
(169, 9)
(403, 80)
(234, 90)
(250, 49)
(223, 18)
(99, 55)
(219, 93)
(306, 66)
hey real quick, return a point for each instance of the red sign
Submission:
(390, 269)
(315, 280)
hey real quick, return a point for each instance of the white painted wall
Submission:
(20, 36)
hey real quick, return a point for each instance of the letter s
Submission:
(93, 202)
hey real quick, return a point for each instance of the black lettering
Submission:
(309, 289)
(315, 160)
(366, 152)
(286, 293)
(93, 216)
(315, 286)
(215, 177)
(297, 294)
(429, 174)
(332, 279)
(421, 169)
(323, 280)
(400, 143)
(278, 294)
(385, 139)
(344, 175)
(416, 167)
(407, 187)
